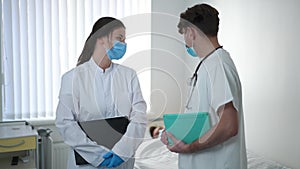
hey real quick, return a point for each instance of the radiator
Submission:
(56, 152)
(60, 156)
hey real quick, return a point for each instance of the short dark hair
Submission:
(202, 16)
(151, 130)
(102, 27)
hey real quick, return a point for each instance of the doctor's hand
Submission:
(111, 160)
(177, 146)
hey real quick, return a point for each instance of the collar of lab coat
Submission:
(94, 65)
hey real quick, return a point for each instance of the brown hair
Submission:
(202, 16)
(102, 27)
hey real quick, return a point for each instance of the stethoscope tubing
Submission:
(195, 78)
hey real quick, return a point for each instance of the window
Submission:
(42, 39)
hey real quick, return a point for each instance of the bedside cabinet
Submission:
(18, 139)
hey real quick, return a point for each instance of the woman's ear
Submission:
(103, 41)
(100, 40)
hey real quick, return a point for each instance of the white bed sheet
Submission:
(152, 154)
(258, 162)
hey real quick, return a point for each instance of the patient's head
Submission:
(154, 131)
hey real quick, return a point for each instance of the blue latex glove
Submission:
(115, 161)
(107, 158)
(108, 155)
(105, 162)
(112, 160)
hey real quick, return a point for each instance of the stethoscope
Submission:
(194, 78)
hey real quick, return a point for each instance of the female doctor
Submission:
(215, 89)
(97, 89)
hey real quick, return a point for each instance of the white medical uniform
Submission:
(218, 83)
(88, 93)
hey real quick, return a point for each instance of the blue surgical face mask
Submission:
(117, 51)
(191, 51)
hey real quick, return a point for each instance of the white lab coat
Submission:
(88, 93)
(218, 83)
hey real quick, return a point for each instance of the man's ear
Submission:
(191, 32)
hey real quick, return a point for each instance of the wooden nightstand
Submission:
(18, 139)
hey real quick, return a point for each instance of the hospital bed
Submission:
(152, 154)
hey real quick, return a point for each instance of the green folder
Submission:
(187, 127)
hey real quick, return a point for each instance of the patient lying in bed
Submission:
(154, 131)
(153, 154)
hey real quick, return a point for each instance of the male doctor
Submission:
(218, 92)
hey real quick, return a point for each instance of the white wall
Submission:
(263, 38)
(167, 58)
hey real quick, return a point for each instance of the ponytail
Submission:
(87, 51)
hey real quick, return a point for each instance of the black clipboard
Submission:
(105, 132)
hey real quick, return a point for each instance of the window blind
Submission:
(41, 40)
